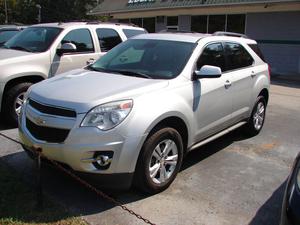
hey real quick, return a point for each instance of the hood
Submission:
(82, 90)
(10, 54)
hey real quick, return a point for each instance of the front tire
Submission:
(13, 101)
(257, 119)
(159, 161)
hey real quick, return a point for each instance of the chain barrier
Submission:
(101, 194)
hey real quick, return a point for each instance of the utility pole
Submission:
(39, 18)
(6, 16)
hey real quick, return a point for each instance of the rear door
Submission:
(239, 66)
(84, 54)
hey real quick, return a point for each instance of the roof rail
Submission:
(232, 34)
(175, 31)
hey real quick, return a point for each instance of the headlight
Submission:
(107, 116)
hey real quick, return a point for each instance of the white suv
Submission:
(44, 50)
(133, 114)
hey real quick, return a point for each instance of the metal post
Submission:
(6, 16)
(39, 18)
(39, 186)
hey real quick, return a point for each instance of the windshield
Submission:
(6, 35)
(33, 39)
(155, 59)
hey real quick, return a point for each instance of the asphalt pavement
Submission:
(234, 180)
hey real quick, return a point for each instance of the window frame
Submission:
(226, 57)
(80, 53)
(105, 28)
(205, 46)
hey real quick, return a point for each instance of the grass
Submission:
(18, 204)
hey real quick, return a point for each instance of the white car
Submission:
(45, 50)
(132, 115)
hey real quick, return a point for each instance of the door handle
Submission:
(227, 84)
(253, 74)
(90, 61)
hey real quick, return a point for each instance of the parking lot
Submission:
(232, 181)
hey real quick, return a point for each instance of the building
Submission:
(274, 24)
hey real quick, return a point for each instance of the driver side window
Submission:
(212, 55)
(81, 38)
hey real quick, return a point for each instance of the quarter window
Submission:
(108, 38)
(212, 55)
(81, 38)
(237, 56)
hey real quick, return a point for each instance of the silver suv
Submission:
(134, 114)
(44, 50)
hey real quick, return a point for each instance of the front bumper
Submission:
(82, 143)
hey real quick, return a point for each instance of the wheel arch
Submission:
(18, 80)
(265, 93)
(174, 122)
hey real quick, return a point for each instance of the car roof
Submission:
(193, 37)
(74, 24)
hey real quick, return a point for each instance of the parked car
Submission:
(8, 31)
(290, 214)
(44, 50)
(133, 114)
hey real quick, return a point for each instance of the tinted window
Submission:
(158, 59)
(212, 55)
(108, 38)
(81, 38)
(256, 49)
(6, 35)
(216, 23)
(35, 39)
(236, 23)
(237, 56)
(199, 24)
(130, 33)
(149, 24)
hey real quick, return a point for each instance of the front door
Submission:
(212, 96)
(84, 54)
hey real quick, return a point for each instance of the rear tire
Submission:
(257, 118)
(159, 161)
(13, 101)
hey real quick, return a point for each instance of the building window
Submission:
(172, 22)
(199, 24)
(216, 23)
(137, 21)
(236, 23)
(212, 23)
(149, 24)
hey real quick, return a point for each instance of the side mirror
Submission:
(66, 48)
(207, 71)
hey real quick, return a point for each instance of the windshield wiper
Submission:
(19, 48)
(131, 73)
(124, 72)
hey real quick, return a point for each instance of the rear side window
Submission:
(212, 55)
(108, 38)
(237, 56)
(81, 38)
(130, 33)
(256, 49)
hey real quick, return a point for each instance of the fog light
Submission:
(102, 160)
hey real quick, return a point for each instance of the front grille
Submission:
(52, 110)
(48, 134)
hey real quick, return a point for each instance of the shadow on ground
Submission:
(79, 200)
(269, 212)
